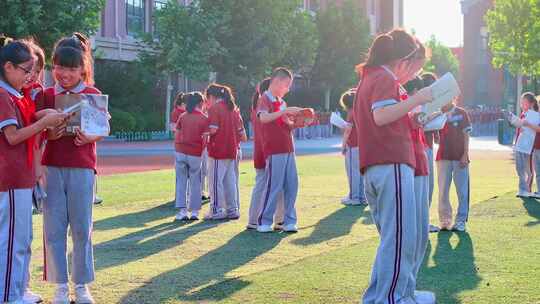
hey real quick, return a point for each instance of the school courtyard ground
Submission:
(143, 256)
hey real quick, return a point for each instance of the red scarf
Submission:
(28, 110)
(276, 107)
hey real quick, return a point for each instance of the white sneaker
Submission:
(233, 214)
(61, 295)
(182, 215)
(459, 226)
(424, 297)
(194, 215)
(433, 228)
(31, 298)
(82, 295)
(221, 215)
(523, 194)
(535, 195)
(264, 228)
(290, 228)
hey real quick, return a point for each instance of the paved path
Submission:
(121, 157)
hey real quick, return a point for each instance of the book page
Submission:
(444, 90)
(68, 103)
(95, 115)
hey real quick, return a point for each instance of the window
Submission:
(158, 4)
(135, 17)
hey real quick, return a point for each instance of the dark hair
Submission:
(179, 99)
(14, 51)
(281, 73)
(428, 78)
(222, 92)
(414, 84)
(347, 99)
(263, 87)
(192, 100)
(36, 51)
(531, 99)
(75, 51)
(386, 48)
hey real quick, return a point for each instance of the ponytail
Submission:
(14, 51)
(347, 99)
(263, 87)
(192, 100)
(179, 99)
(222, 92)
(389, 47)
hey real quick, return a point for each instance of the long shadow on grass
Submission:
(136, 219)
(134, 246)
(334, 225)
(533, 208)
(204, 279)
(454, 270)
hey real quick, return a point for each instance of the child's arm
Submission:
(531, 126)
(346, 134)
(82, 139)
(464, 161)
(388, 114)
(15, 136)
(269, 117)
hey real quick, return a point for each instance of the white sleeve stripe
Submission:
(214, 127)
(383, 103)
(8, 122)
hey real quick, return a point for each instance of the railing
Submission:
(144, 136)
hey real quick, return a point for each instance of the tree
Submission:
(49, 20)
(257, 35)
(442, 59)
(514, 31)
(183, 41)
(344, 38)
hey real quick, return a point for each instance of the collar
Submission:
(390, 72)
(270, 96)
(6, 86)
(76, 90)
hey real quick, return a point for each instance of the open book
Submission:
(444, 90)
(91, 113)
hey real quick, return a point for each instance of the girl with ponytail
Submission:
(226, 131)
(19, 125)
(388, 162)
(71, 166)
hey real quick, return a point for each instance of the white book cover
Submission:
(444, 90)
(91, 113)
(95, 115)
(436, 123)
(337, 121)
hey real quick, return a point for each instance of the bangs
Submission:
(68, 57)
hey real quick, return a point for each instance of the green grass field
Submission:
(142, 256)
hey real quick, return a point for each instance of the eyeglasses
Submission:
(26, 71)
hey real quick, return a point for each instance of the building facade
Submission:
(482, 84)
(383, 15)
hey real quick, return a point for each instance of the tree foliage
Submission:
(514, 30)
(442, 59)
(48, 20)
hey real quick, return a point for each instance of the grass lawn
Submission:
(142, 256)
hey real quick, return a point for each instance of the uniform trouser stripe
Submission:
(268, 188)
(216, 194)
(9, 262)
(397, 258)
